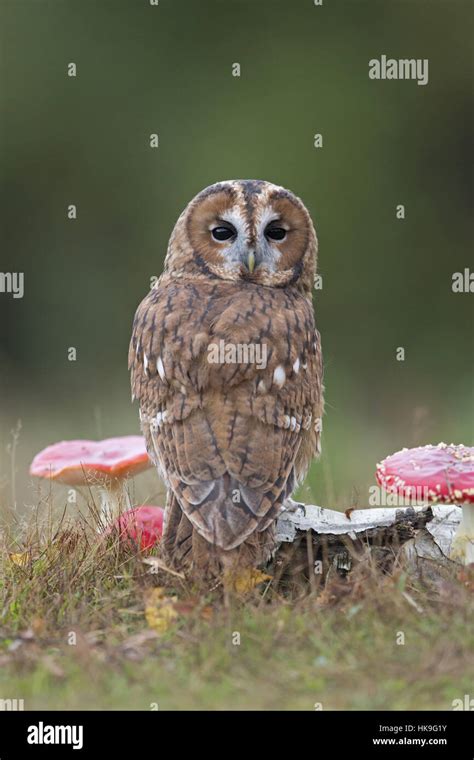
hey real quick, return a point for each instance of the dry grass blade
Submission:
(156, 563)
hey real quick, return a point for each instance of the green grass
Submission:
(337, 647)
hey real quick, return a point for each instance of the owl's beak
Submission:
(251, 262)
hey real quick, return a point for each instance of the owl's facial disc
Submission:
(250, 230)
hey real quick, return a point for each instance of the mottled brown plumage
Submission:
(232, 430)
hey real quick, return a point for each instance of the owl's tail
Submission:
(186, 550)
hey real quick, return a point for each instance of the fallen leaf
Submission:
(20, 558)
(52, 666)
(38, 626)
(136, 646)
(466, 577)
(190, 607)
(245, 580)
(160, 611)
(27, 635)
(15, 644)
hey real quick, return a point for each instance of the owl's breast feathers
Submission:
(229, 380)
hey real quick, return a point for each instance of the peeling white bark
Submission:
(443, 526)
(441, 523)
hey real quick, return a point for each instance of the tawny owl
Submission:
(226, 364)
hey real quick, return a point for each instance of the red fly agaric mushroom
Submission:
(435, 474)
(141, 526)
(106, 464)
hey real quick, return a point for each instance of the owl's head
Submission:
(247, 230)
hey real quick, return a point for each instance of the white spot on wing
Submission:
(279, 376)
(161, 369)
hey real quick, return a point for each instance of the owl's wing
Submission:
(229, 383)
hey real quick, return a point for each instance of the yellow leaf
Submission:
(21, 558)
(160, 612)
(245, 580)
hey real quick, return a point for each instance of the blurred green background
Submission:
(304, 70)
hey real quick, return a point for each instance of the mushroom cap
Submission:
(78, 462)
(439, 473)
(142, 526)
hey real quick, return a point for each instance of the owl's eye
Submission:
(275, 233)
(223, 233)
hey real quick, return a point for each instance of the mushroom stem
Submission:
(114, 499)
(462, 548)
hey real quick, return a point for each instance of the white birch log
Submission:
(434, 527)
